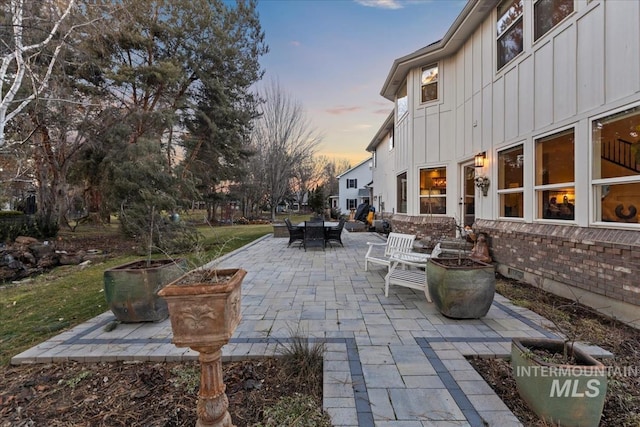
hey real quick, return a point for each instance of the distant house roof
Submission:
(355, 167)
(363, 192)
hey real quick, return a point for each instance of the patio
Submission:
(389, 361)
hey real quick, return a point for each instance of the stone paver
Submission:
(388, 362)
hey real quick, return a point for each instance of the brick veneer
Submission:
(428, 229)
(599, 260)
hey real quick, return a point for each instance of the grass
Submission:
(33, 312)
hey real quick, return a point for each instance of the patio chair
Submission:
(334, 234)
(295, 233)
(313, 234)
(396, 242)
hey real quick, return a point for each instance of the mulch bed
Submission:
(622, 405)
(141, 394)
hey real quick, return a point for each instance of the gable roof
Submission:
(471, 17)
(386, 127)
(354, 168)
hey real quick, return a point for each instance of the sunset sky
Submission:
(333, 57)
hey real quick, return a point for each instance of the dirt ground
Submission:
(137, 394)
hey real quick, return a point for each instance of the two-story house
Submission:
(353, 187)
(539, 101)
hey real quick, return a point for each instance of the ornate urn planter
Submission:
(204, 309)
(461, 291)
(568, 395)
(131, 290)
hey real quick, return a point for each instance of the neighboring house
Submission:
(545, 96)
(353, 187)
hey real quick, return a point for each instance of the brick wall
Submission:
(598, 260)
(429, 230)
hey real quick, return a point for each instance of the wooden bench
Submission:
(379, 253)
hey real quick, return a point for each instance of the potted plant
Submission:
(131, 289)
(463, 287)
(561, 383)
(204, 307)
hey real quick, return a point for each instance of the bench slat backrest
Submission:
(398, 242)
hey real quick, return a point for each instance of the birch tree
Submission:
(19, 54)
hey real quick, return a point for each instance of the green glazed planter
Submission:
(560, 394)
(461, 292)
(131, 290)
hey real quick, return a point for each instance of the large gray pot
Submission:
(131, 290)
(461, 292)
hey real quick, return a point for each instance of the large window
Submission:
(548, 13)
(402, 101)
(554, 166)
(433, 191)
(511, 182)
(509, 31)
(616, 166)
(401, 192)
(429, 85)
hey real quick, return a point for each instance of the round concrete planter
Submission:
(564, 395)
(461, 291)
(131, 290)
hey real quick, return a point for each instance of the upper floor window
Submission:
(509, 29)
(554, 165)
(352, 183)
(402, 101)
(391, 143)
(548, 13)
(401, 193)
(433, 191)
(511, 182)
(429, 85)
(616, 166)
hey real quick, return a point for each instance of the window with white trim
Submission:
(511, 182)
(616, 166)
(352, 203)
(555, 176)
(549, 13)
(429, 84)
(352, 183)
(401, 193)
(402, 101)
(509, 31)
(433, 191)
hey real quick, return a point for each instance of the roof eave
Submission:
(470, 18)
(384, 129)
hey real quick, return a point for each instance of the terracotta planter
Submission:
(204, 307)
(565, 395)
(461, 292)
(131, 290)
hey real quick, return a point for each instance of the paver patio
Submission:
(389, 362)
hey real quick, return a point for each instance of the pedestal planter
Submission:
(131, 290)
(204, 308)
(461, 291)
(568, 395)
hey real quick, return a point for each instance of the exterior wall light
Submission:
(478, 160)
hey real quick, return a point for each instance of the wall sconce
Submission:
(478, 160)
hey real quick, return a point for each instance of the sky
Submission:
(333, 56)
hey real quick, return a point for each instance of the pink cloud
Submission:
(342, 110)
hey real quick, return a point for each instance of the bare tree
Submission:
(283, 139)
(18, 57)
